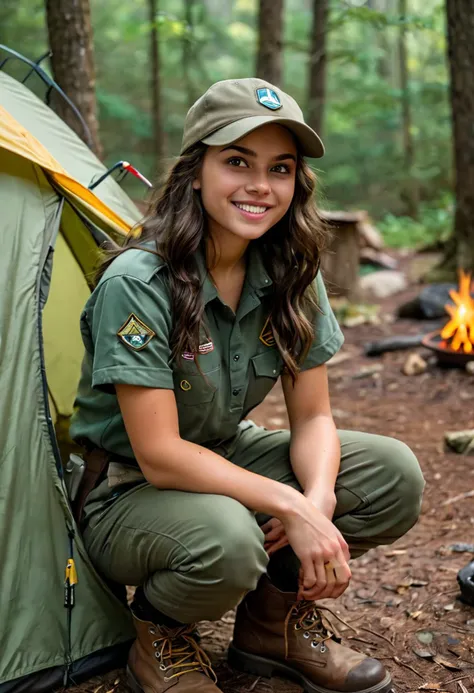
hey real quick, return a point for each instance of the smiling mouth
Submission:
(251, 209)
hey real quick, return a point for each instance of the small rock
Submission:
(470, 367)
(368, 371)
(382, 284)
(425, 636)
(461, 442)
(414, 365)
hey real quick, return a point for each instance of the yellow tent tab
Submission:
(71, 573)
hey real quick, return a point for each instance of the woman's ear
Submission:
(196, 184)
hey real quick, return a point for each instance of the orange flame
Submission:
(460, 328)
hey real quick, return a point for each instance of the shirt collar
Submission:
(256, 275)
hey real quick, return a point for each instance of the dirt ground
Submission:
(403, 598)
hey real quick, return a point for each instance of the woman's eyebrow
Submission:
(250, 152)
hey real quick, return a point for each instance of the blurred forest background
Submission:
(371, 75)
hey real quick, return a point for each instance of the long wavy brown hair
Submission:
(290, 250)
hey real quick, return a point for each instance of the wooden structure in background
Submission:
(340, 262)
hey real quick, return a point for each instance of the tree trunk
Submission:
(155, 88)
(188, 55)
(317, 65)
(270, 41)
(70, 39)
(460, 29)
(410, 191)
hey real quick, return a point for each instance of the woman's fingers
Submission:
(271, 524)
(272, 547)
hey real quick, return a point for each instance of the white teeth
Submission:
(251, 208)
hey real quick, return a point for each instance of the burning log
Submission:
(455, 342)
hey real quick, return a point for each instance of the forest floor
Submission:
(402, 599)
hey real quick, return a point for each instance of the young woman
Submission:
(187, 330)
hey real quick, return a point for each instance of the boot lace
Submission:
(313, 621)
(179, 653)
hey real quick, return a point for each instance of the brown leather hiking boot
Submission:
(162, 658)
(277, 635)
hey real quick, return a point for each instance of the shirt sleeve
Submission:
(126, 327)
(328, 337)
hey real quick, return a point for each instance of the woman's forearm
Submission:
(315, 455)
(186, 466)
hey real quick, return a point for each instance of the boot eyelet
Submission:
(157, 655)
(314, 643)
(306, 635)
(297, 626)
(162, 667)
(323, 648)
(155, 644)
(166, 679)
(151, 630)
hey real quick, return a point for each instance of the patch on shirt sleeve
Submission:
(134, 333)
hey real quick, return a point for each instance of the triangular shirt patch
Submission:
(135, 334)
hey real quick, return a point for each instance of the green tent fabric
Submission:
(48, 245)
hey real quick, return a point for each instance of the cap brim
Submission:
(308, 141)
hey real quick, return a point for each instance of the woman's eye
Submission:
(236, 161)
(283, 168)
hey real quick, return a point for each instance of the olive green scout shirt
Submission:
(126, 327)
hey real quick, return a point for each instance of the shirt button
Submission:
(236, 357)
(235, 392)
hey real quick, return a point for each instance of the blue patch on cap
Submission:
(268, 98)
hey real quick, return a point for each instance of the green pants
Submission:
(196, 554)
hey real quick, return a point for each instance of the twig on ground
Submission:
(407, 666)
(379, 635)
(458, 678)
(254, 684)
(435, 596)
(461, 496)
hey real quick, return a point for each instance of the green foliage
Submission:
(435, 224)
(364, 164)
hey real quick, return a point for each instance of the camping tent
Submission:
(50, 228)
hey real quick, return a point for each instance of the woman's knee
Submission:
(404, 480)
(233, 553)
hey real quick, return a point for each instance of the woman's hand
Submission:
(275, 537)
(319, 545)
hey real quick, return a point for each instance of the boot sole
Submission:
(132, 682)
(260, 666)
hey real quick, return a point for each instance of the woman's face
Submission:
(247, 187)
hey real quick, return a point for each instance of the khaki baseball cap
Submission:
(233, 108)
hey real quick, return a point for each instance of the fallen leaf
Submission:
(389, 588)
(414, 614)
(430, 687)
(419, 583)
(449, 607)
(446, 663)
(424, 654)
(425, 636)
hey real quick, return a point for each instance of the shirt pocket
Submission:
(192, 389)
(264, 372)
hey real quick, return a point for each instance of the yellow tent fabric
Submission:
(15, 138)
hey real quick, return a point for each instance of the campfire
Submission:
(454, 344)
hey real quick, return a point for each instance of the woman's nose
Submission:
(259, 185)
